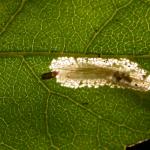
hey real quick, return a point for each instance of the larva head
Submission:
(120, 76)
(49, 75)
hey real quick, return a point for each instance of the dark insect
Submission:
(49, 75)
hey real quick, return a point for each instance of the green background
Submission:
(42, 115)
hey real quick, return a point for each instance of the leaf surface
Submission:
(41, 115)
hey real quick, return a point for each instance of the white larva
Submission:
(94, 72)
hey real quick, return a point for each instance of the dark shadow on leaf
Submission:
(142, 145)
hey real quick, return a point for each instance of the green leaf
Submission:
(41, 115)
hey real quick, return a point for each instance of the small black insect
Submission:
(49, 75)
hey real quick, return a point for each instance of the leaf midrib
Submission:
(59, 54)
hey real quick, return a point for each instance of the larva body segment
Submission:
(95, 72)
